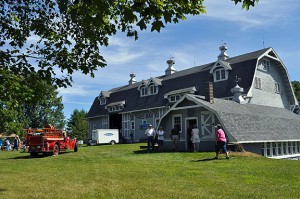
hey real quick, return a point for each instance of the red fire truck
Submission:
(49, 141)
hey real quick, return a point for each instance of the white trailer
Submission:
(105, 136)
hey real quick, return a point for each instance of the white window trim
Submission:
(155, 88)
(290, 148)
(220, 71)
(176, 97)
(173, 123)
(143, 91)
(102, 100)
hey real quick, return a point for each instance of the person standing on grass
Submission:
(175, 133)
(150, 132)
(195, 138)
(160, 137)
(16, 144)
(220, 142)
(7, 144)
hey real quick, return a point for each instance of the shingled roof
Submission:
(247, 123)
(243, 66)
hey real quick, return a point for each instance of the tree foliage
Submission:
(55, 38)
(296, 88)
(43, 43)
(28, 102)
(78, 124)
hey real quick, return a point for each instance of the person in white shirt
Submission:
(150, 132)
(160, 138)
(7, 145)
(195, 138)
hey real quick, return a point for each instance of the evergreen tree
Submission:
(296, 88)
(78, 125)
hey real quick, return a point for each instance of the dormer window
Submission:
(152, 89)
(220, 74)
(103, 96)
(220, 70)
(102, 100)
(116, 106)
(149, 87)
(174, 98)
(144, 91)
(175, 95)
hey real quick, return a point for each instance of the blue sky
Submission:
(193, 42)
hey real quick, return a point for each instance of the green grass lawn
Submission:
(125, 171)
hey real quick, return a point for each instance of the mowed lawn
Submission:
(125, 171)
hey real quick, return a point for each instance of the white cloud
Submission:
(265, 13)
(75, 90)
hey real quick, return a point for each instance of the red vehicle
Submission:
(49, 141)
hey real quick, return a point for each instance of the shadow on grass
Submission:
(164, 151)
(204, 160)
(39, 156)
(2, 190)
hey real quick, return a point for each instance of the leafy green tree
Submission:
(78, 124)
(63, 36)
(296, 88)
(47, 41)
(28, 102)
(45, 108)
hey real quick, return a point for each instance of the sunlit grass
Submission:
(124, 171)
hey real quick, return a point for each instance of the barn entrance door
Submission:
(207, 126)
(189, 124)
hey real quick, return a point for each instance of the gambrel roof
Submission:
(249, 123)
(243, 66)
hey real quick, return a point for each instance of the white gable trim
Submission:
(266, 54)
(197, 99)
(222, 64)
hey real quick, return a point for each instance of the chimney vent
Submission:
(209, 96)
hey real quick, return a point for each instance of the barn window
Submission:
(257, 83)
(220, 74)
(277, 87)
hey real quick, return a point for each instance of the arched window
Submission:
(144, 91)
(152, 89)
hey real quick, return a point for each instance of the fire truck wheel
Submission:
(55, 150)
(112, 142)
(76, 147)
(34, 154)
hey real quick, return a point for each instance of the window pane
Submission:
(222, 74)
(217, 75)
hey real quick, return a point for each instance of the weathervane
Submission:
(237, 79)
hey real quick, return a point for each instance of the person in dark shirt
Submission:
(16, 144)
(175, 137)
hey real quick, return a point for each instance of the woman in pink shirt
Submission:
(220, 142)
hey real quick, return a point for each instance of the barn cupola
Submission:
(221, 68)
(170, 70)
(132, 79)
(223, 55)
(237, 92)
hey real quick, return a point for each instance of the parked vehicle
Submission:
(49, 141)
(104, 136)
